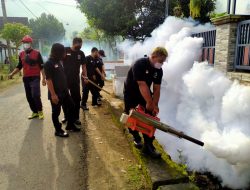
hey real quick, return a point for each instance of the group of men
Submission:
(62, 75)
(64, 87)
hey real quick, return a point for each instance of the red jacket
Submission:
(31, 62)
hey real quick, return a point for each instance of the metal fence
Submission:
(242, 60)
(208, 47)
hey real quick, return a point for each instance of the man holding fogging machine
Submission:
(145, 72)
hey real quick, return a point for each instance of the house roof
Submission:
(22, 20)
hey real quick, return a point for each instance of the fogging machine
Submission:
(139, 120)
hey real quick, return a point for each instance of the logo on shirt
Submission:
(147, 71)
(79, 57)
(155, 75)
(56, 65)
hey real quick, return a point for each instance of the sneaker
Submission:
(72, 127)
(77, 122)
(40, 115)
(150, 150)
(33, 115)
(99, 100)
(96, 105)
(85, 108)
(64, 120)
(61, 133)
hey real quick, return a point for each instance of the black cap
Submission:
(102, 53)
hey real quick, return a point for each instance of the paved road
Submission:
(30, 155)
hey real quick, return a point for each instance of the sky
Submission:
(65, 11)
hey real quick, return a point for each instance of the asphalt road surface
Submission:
(31, 157)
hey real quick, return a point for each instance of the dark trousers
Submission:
(131, 104)
(68, 103)
(100, 83)
(75, 93)
(33, 93)
(85, 94)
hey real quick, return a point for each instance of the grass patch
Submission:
(135, 178)
(143, 171)
(5, 82)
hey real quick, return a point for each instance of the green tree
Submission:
(47, 28)
(198, 9)
(93, 34)
(134, 19)
(15, 32)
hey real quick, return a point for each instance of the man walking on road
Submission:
(74, 59)
(32, 63)
(144, 73)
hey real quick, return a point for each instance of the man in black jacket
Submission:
(146, 72)
(74, 59)
(58, 90)
(92, 73)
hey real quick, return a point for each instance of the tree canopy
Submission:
(198, 9)
(136, 19)
(47, 28)
(15, 32)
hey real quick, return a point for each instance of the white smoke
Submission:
(201, 102)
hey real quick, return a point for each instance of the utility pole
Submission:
(5, 21)
(166, 7)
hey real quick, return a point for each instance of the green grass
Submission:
(135, 179)
(4, 81)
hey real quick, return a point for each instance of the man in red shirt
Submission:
(30, 60)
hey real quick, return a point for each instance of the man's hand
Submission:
(85, 79)
(55, 99)
(43, 82)
(155, 111)
(150, 106)
(103, 77)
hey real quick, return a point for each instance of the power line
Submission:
(43, 7)
(60, 4)
(28, 9)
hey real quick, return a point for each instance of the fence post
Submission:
(226, 27)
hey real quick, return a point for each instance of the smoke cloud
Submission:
(202, 102)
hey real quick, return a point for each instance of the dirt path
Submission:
(111, 164)
(32, 158)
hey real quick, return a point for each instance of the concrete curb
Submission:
(160, 174)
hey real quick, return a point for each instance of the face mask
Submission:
(26, 46)
(77, 48)
(158, 65)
